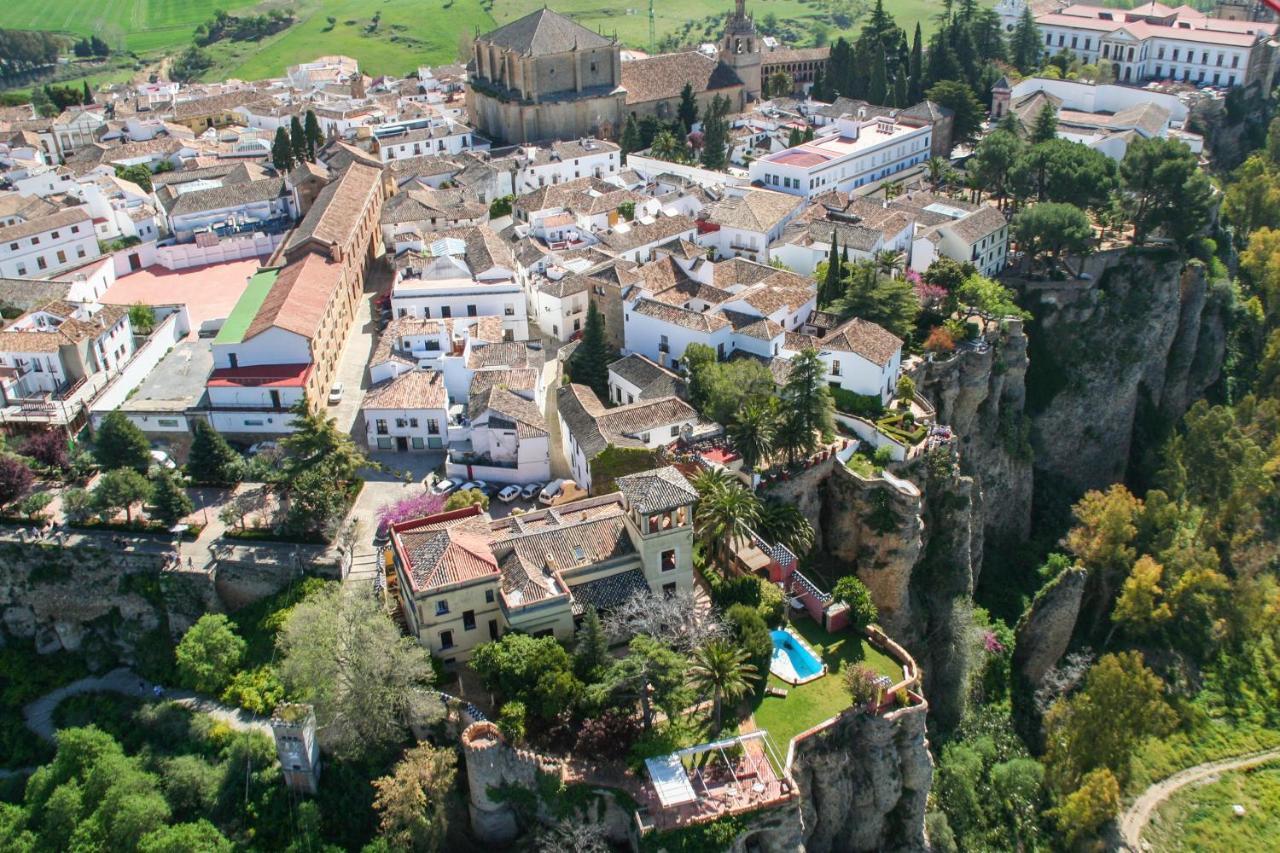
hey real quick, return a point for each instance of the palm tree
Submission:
(726, 514)
(784, 524)
(753, 433)
(721, 669)
(889, 261)
(892, 189)
(938, 169)
(709, 480)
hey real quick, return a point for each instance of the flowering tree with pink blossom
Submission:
(408, 509)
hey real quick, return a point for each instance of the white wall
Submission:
(167, 332)
(186, 255)
(273, 346)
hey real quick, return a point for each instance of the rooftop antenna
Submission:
(653, 38)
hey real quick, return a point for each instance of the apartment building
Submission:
(47, 244)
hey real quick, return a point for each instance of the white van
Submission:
(550, 492)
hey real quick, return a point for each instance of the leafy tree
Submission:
(184, 837)
(993, 161)
(282, 151)
(958, 98)
(15, 478)
(512, 718)
(344, 655)
(687, 110)
(138, 174)
(721, 389)
(721, 669)
(1084, 811)
(314, 136)
(666, 146)
(142, 318)
(590, 362)
(651, 674)
(1103, 539)
(257, 690)
(1053, 228)
(464, 498)
(1017, 785)
(1122, 703)
(412, 801)
(169, 499)
(119, 489)
(853, 592)
(1252, 199)
(806, 399)
(863, 684)
(49, 448)
(119, 443)
(1046, 125)
(988, 298)
(209, 654)
(534, 670)
(1167, 190)
(34, 505)
(749, 631)
(211, 460)
(1064, 171)
(591, 647)
(753, 432)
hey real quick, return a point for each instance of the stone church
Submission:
(546, 77)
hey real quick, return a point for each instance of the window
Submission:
(471, 310)
(13, 247)
(669, 560)
(488, 596)
(446, 640)
(468, 620)
(675, 430)
(417, 442)
(508, 309)
(442, 607)
(41, 262)
(445, 312)
(664, 345)
(75, 229)
(35, 241)
(413, 422)
(401, 423)
(22, 269)
(380, 426)
(835, 368)
(433, 426)
(669, 590)
(167, 422)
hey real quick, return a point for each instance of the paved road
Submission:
(1135, 819)
(39, 713)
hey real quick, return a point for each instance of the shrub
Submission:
(257, 690)
(751, 633)
(853, 592)
(209, 654)
(939, 341)
(15, 478)
(861, 405)
(883, 455)
(49, 448)
(511, 721)
(408, 509)
(611, 735)
(860, 681)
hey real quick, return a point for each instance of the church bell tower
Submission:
(740, 48)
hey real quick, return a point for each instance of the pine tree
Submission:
(687, 111)
(590, 362)
(630, 136)
(315, 139)
(282, 151)
(212, 460)
(169, 500)
(297, 140)
(1046, 125)
(118, 443)
(1024, 44)
(916, 69)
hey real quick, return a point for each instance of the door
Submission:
(402, 443)
(275, 399)
(135, 262)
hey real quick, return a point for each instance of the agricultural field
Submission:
(1200, 818)
(409, 33)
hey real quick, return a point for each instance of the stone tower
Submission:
(740, 48)
(1001, 93)
(486, 754)
(294, 729)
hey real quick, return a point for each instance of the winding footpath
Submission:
(39, 713)
(1135, 819)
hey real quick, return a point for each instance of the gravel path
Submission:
(39, 713)
(1135, 819)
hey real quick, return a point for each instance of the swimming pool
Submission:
(793, 661)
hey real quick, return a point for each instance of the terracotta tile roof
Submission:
(505, 354)
(595, 428)
(30, 228)
(974, 227)
(516, 379)
(608, 592)
(643, 233)
(416, 389)
(523, 414)
(862, 337)
(698, 321)
(338, 207)
(652, 379)
(664, 76)
(446, 549)
(658, 490)
(752, 326)
(298, 298)
(544, 32)
(755, 210)
(227, 196)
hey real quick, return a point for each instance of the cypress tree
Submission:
(878, 84)
(900, 88)
(818, 91)
(297, 140)
(590, 362)
(630, 136)
(88, 94)
(282, 151)
(831, 284)
(794, 138)
(169, 499)
(1024, 45)
(916, 68)
(315, 139)
(687, 111)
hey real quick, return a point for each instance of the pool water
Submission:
(790, 657)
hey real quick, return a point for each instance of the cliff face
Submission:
(1111, 357)
(865, 781)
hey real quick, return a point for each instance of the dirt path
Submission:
(39, 713)
(1135, 819)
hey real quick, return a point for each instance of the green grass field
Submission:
(1200, 818)
(410, 32)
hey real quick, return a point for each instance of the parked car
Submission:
(530, 491)
(335, 394)
(262, 447)
(478, 485)
(508, 494)
(444, 487)
(159, 457)
(550, 492)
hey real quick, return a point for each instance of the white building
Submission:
(505, 439)
(849, 154)
(230, 209)
(49, 349)
(1156, 42)
(559, 162)
(634, 377)
(48, 244)
(461, 273)
(860, 357)
(746, 221)
(979, 237)
(407, 412)
(421, 138)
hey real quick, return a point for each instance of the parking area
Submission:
(209, 292)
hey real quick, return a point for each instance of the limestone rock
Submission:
(20, 621)
(1045, 630)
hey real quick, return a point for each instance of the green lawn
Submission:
(137, 25)
(1200, 817)
(810, 704)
